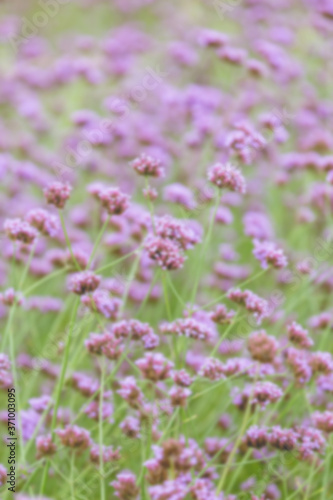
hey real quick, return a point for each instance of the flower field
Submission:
(166, 269)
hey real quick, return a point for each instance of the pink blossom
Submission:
(227, 176)
(83, 282)
(269, 255)
(125, 486)
(19, 230)
(57, 194)
(155, 366)
(166, 253)
(74, 437)
(148, 166)
(113, 200)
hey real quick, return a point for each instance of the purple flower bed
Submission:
(166, 220)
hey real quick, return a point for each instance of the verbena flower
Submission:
(125, 486)
(166, 253)
(45, 222)
(262, 347)
(113, 200)
(148, 166)
(227, 176)
(57, 194)
(19, 230)
(74, 437)
(269, 255)
(83, 282)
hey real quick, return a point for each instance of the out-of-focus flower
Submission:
(84, 282)
(227, 176)
(148, 166)
(57, 194)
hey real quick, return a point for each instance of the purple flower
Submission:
(125, 486)
(74, 437)
(180, 194)
(57, 194)
(113, 200)
(148, 166)
(19, 230)
(269, 255)
(83, 282)
(166, 253)
(227, 176)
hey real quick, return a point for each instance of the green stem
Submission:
(327, 472)
(166, 297)
(145, 300)
(68, 242)
(64, 368)
(235, 448)
(204, 249)
(171, 420)
(73, 476)
(130, 279)
(8, 327)
(44, 280)
(59, 389)
(27, 266)
(174, 290)
(151, 208)
(223, 336)
(115, 262)
(213, 302)
(17, 394)
(13, 308)
(98, 239)
(100, 431)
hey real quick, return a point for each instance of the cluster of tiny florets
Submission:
(228, 177)
(84, 282)
(148, 166)
(57, 194)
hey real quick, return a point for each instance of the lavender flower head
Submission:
(227, 176)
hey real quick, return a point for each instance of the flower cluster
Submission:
(227, 176)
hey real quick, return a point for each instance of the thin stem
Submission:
(174, 416)
(130, 279)
(68, 242)
(326, 473)
(151, 208)
(166, 297)
(64, 368)
(108, 379)
(8, 326)
(100, 431)
(174, 290)
(38, 426)
(59, 389)
(145, 300)
(213, 302)
(115, 262)
(27, 266)
(98, 239)
(204, 249)
(44, 280)
(235, 448)
(302, 485)
(17, 393)
(223, 336)
(210, 388)
(254, 421)
(12, 276)
(72, 482)
(13, 308)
